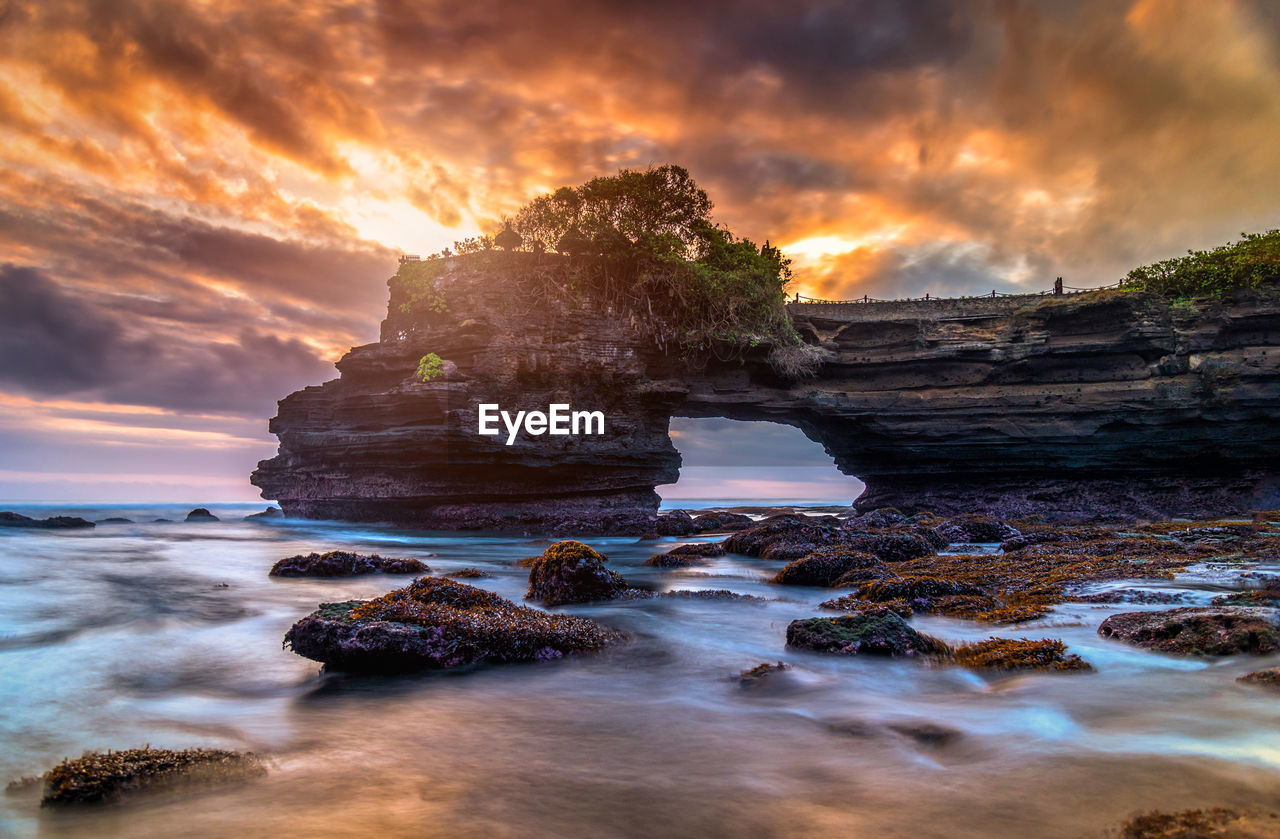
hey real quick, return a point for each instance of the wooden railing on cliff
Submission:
(929, 306)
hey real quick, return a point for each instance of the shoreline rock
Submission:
(8, 519)
(1197, 630)
(436, 623)
(97, 777)
(344, 564)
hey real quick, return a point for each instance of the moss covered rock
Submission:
(976, 529)
(344, 564)
(1018, 654)
(713, 522)
(878, 632)
(1194, 630)
(105, 776)
(438, 623)
(674, 523)
(1269, 678)
(571, 572)
(826, 565)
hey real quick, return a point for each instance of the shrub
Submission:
(418, 281)
(430, 367)
(1246, 264)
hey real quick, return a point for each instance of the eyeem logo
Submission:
(559, 420)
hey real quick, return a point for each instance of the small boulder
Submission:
(976, 529)
(115, 520)
(1197, 630)
(1254, 597)
(824, 566)
(269, 513)
(756, 676)
(684, 556)
(344, 564)
(880, 632)
(437, 623)
(675, 523)
(571, 572)
(200, 514)
(1269, 678)
(788, 532)
(720, 522)
(890, 547)
(1018, 654)
(105, 776)
(470, 574)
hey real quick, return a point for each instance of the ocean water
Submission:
(170, 635)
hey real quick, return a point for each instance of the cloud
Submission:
(53, 342)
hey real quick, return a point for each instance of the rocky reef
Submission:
(1107, 404)
(107, 776)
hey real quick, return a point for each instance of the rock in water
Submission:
(824, 566)
(1197, 630)
(437, 623)
(711, 522)
(344, 564)
(104, 776)
(8, 519)
(1269, 678)
(1018, 654)
(269, 513)
(201, 514)
(881, 632)
(675, 523)
(571, 572)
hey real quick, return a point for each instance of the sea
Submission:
(169, 634)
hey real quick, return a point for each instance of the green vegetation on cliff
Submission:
(1247, 264)
(642, 243)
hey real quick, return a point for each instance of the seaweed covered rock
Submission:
(571, 572)
(916, 590)
(1215, 823)
(756, 676)
(470, 574)
(826, 565)
(105, 776)
(675, 523)
(879, 632)
(1269, 678)
(890, 547)
(684, 556)
(976, 529)
(1197, 630)
(855, 604)
(877, 519)
(782, 534)
(716, 522)
(344, 564)
(438, 623)
(1255, 597)
(1018, 654)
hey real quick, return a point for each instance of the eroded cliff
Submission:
(1108, 403)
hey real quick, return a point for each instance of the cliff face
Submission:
(1102, 403)
(1106, 403)
(377, 444)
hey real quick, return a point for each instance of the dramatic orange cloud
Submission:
(200, 201)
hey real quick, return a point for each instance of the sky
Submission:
(200, 202)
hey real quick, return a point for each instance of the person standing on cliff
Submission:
(1057, 286)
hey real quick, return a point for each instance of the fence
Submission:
(1066, 290)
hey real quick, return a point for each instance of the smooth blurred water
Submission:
(170, 635)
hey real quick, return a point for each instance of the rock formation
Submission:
(1115, 404)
